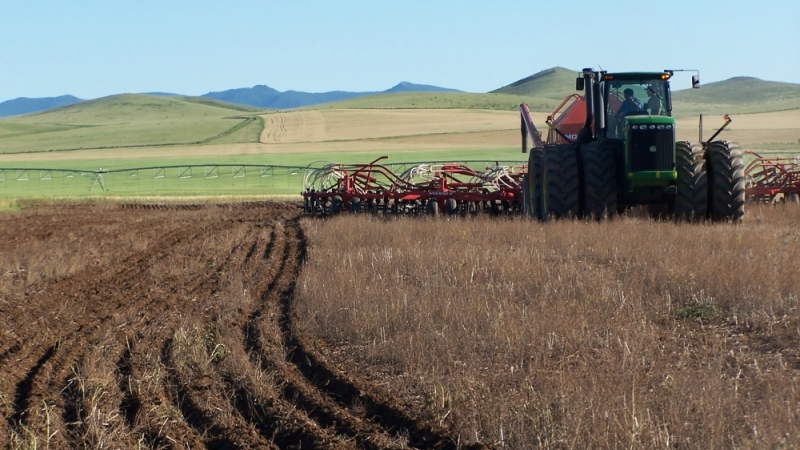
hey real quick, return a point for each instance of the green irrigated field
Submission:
(264, 174)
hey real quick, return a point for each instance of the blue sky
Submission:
(92, 49)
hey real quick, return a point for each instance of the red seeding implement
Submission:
(772, 179)
(454, 188)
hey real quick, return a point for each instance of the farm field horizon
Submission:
(181, 305)
(298, 139)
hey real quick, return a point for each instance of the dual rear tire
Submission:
(726, 181)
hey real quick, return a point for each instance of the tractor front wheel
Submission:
(691, 199)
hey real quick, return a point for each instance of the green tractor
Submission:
(625, 155)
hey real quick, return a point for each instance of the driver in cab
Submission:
(629, 105)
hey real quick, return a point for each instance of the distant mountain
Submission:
(405, 86)
(554, 83)
(740, 91)
(25, 105)
(164, 94)
(262, 96)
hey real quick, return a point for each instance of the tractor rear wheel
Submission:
(532, 186)
(726, 181)
(691, 199)
(560, 187)
(599, 187)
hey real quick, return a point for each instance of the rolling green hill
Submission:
(129, 120)
(442, 100)
(738, 95)
(554, 83)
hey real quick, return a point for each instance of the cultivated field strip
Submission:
(170, 326)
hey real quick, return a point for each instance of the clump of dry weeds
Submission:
(629, 333)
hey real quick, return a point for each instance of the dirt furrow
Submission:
(200, 292)
(37, 402)
(59, 369)
(184, 339)
(87, 284)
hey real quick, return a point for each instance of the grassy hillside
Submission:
(738, 95)
(129, 120)
(443, 100)
(555, 83)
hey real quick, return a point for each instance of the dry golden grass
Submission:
(343, 124)
(623, 334)
(749, 130)
(394, 132)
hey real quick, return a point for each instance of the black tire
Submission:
(726, 181)
(560, 188)
(432, 208)
(451, 206)
(336, 205)
(355, 205)
(532, 186)
(794, 198)
(691, 198)
(599, 187)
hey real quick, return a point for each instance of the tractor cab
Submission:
(613, 97)
(638, 97)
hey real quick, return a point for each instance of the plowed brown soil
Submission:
(170, 326)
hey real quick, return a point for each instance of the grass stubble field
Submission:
(219, 325)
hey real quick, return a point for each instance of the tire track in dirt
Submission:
(274, 128)
(303, 429)
(334, 401)
(295, 390)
